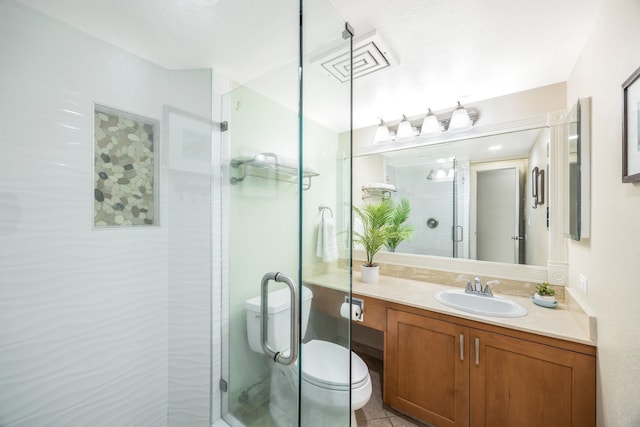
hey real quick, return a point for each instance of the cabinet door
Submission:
(520, 383)
(426, 369)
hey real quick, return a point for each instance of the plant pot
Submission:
(369, 274)
(545, 298)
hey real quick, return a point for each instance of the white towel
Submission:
(379, 186)
(358, 227)
(327, 247)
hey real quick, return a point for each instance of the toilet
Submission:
(324, 384)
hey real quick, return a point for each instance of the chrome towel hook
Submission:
(323, 209)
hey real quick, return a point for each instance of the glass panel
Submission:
(325, 352)
(283, 164)
(263, 237)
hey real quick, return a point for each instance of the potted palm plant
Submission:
(382, 225)
(399, 231)
(373, 236)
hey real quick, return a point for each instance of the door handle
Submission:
(276, 355)
(517, 238)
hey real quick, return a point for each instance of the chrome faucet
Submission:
(477, 288)
(478, 284)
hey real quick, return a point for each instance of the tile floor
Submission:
(374, 414)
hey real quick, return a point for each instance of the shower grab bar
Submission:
(276, 355)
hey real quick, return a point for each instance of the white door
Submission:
(497, 215)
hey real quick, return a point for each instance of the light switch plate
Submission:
(584, 284)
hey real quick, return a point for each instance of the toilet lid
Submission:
(323, 363)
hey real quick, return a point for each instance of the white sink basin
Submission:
(494, 306)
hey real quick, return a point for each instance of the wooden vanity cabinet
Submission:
(450, 374)
(518, 382)
(426, 368)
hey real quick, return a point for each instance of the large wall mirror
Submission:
(488, 202)
(471, 198)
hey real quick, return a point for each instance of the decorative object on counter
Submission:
(372, 235)
(545, 296)
(380, 225)
(399, 230)
(125, 187)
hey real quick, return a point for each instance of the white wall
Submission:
(609, 259)
(84, 313)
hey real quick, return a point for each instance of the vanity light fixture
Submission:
(382, 133)
(405, 129)
(430, 126)
(460, 119)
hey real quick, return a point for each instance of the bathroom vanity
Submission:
(452, 368)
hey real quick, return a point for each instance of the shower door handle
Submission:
(276, 355)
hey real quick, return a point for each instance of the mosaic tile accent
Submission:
(124, 177)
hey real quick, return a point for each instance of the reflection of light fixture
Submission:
(460, 119)
(405, 130)
(451, 173)
(430, 125)
(441, 173)
(382, 133)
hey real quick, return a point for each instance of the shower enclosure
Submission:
(284, 136)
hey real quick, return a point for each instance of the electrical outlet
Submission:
(584, 284)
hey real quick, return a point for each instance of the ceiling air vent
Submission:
(370, 55)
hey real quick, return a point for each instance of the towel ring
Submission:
(322, 209)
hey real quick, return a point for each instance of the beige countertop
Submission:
(567, 321)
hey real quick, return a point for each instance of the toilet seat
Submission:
(319, 366)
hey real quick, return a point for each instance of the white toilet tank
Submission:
(279, 319)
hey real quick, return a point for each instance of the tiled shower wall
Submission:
(432, 199)
(93, 322)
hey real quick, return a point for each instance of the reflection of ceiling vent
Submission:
(370, 54)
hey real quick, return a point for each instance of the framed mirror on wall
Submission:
(576, 186)
(428, 168)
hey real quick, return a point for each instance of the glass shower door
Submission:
(284, 189)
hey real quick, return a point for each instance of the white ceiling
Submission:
(448, 50)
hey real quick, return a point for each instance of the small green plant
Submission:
(543, 289)
(399, 231)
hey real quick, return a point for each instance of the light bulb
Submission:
(382, 134)
(430, 125)
(460, 119)
(405, 130)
